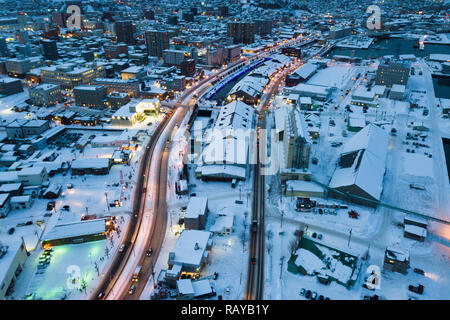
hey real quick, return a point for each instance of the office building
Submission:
(10, 86)
(49, 49)
(241, 32)
(392, 72)
(45, 95)
(263, 27)
(156, 42)
(114, 51)
(90, 96)
(124, 32)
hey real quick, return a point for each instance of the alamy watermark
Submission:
(374, 20)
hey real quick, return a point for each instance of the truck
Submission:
(136, 274)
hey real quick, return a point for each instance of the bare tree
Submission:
(293, 245)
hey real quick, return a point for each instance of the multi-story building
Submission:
(69, 76)
(45, 95)
(174, 57)
(242, 32)
(10, 86)
(3, 47)
(263, 27)
(339, 33)
(188, 67)
(19, 67)
(90, 96)
(132, 86)
(49, 49)
(157, 42)
(113, 51)
(124, 32)
(133, 72)
(393, 72)
(296, 146)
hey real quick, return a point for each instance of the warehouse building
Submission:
(75, 232)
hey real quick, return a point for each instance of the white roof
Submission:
(98, 163)
(222, 222)
(301, 185)
(310, 88)
(8, 258)
(185, 287)
(416, 230)
(280, 118)
(398, 88)
(201, 287)
(368, 168)
(20, 199)
(306, 70)
(224, 171)
(75, 229)
(185, 252)
(196, 207)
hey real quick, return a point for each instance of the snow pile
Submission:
(308, 261)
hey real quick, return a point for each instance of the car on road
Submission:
(254, 225)
(132, 289)
(144, 190)
(149, 252)
(253, 260)
(100, 296)
(122, 248)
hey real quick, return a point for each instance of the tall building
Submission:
(113, 51)
(149, 14)
(393, 72)
(223, 11)
(174, 57)
(296, 146)
(173, 20)
(157, 42)
(3, 47)
(124, 32)
(49, 49)
(263, 27)
(188, 67)
(93, 96)
(242, 32)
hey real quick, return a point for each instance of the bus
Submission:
(136, 274)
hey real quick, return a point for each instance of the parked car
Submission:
(417, 289)
(321, 297)
(308, 294)
(11, 230)
(302, 292)
(419, 271)
(51, 205)
(313, 295)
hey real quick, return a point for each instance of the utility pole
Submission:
(349, 237)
